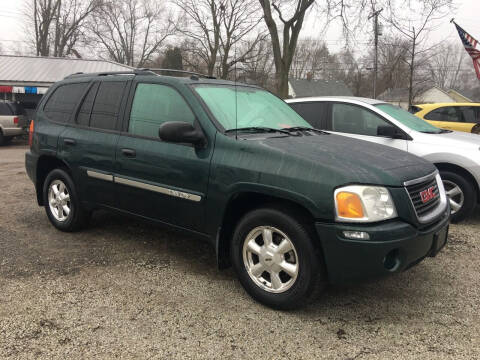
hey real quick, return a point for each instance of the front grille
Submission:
(414, 191)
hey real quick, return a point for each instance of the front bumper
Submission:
(393, 246)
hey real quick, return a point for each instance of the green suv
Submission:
(292, 208)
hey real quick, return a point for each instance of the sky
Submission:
(467, 15)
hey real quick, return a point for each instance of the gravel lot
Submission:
(130, 289)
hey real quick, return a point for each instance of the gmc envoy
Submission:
(291, 207)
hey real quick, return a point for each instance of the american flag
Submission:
(470, 45)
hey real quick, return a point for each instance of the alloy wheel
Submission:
(270, 259)
(59, 200)
(455, 195)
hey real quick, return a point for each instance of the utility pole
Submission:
(375, 66)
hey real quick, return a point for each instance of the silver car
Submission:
(13, 121)
(456, 154)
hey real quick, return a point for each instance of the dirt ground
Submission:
(124, 288)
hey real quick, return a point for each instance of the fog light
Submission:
(356, 235)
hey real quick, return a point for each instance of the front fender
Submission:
(463, 162)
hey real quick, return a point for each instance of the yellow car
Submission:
(452, 116)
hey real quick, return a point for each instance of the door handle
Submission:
(69, 142)
(129, 153)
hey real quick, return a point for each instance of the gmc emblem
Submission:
(428, 194)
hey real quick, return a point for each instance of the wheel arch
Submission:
(242, 202)
(461, 171)
(45, 164)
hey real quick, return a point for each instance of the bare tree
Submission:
(57, 24)
(420, 19)
(391, 51)
(292, 25)
(42, 14)
(258, 68)
(445, 65)
(69, 24)
(311, 57)
(218, 28)
(130, 32)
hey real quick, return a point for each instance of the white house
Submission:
(399, 96)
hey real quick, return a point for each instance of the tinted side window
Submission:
(468, 114)
(107, 105)
(155, 104)
(62, 102)
(4, 109)
(314, 113)
(447, 113)
(83, 116)
(355, 120)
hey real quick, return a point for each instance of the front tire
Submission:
(461, 193)
(275, 258)
(62, 204)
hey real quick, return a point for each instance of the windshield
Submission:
(407, 119)
(236, 107)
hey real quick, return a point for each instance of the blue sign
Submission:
(30, 89)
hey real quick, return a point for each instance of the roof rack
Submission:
(183, 72)
(142, 71)
(107, 73)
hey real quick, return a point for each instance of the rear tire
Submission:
(461, 193)
(62, 204)
(280, 267)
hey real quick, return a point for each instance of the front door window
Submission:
(155, 104)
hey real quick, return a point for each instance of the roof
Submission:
(305, 88)
(472, 93)
(401, 94)
(458, 96)
(396, 94)
(47, 70)
(151, 75)
(336, 98)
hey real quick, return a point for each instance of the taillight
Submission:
(15, 120)
(30, 133)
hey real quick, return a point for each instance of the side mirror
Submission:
(181, 132)
(389, 131)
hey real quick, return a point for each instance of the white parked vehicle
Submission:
(13, 121)
(456, 154)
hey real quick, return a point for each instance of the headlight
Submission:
(359, 203)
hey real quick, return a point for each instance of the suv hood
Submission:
(346, 160)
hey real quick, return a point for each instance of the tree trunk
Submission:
(282, 83)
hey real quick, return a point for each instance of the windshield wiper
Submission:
(259, 129)
(305, 128)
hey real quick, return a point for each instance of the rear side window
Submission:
(106, 108)
(155, 104)
(314, 113)
(5, 109)
(62, 102)
(470, 114)
(446, 113)
(83, 116)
